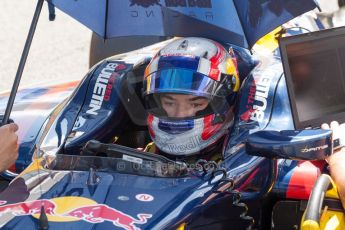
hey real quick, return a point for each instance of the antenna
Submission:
(22, 61)
(43, 219)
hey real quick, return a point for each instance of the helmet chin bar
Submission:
(189, 136)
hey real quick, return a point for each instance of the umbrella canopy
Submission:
(240, 22)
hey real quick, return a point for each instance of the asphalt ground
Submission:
(59, 50)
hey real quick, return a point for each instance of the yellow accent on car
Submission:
(150, 147)
(182, 226)
(148, 83)
(310, 225)
(232, 70)
(268, 42)
(333, 192)
(329, 219)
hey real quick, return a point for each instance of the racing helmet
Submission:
(191, 66)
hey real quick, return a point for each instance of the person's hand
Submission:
(338, 130)
(336, 161)
(338, 133)
(8, 145)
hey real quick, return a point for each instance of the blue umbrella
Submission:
(240, 22)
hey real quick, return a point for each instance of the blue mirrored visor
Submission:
(181, 81)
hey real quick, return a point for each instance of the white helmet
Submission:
(193, 66)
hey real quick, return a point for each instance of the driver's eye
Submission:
(196, 105)
(166, 103)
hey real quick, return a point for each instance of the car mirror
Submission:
(308, 144)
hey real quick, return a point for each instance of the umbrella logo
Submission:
(145, 3)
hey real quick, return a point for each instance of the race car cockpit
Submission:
(107, 106)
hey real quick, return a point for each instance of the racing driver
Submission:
(189, 91)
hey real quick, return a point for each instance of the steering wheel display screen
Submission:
(314, 66)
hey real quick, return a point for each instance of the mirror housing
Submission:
(308, 144)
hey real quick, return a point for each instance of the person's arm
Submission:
(337, 160)
(8, 145)
(337, 169)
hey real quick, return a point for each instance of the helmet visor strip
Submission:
(196, 64)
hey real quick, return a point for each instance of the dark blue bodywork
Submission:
(103, 107)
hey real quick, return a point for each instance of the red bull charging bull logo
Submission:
(101, 212)
(66, 209)
(27, 208)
